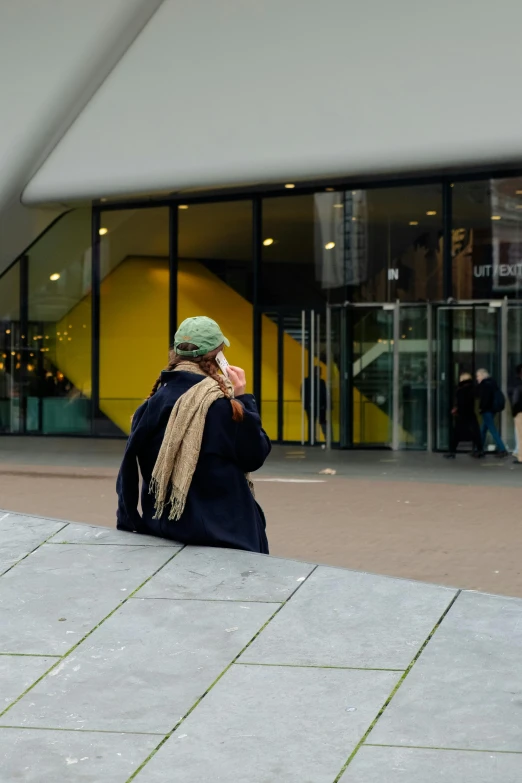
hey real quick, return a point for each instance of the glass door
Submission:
(467, 339)
(413, 388)
(294, 398)
(381, 379)
(512, 337)
(371, 373)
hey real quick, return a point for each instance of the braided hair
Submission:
(208, 365)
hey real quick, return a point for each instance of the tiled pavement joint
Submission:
(218, 678)
(96, 543)
(54, 533)
(210, 600)
(318, 666)
(82, 731)
(89, 633)
(451, 750)
(363, 739)
(29, 655)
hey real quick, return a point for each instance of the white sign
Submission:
(497, 270)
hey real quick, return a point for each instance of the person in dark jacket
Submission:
(320, 395)
(516, 411)
(487, 393)
(465, 425)
(196, 440)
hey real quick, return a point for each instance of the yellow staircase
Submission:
(133, 347)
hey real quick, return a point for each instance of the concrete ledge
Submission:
(131, 658)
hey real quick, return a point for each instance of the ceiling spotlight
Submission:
(103, 231)
(54, 277)
(289, 186)
(518, 192)
(182, 206)
(268, 242)
(329, 190)
(431, 212)
(496, 217)
(413, 223)
(329, 246)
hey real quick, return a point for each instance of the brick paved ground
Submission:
(409, 515)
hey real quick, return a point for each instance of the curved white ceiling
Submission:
(217, 92)
(54, 54)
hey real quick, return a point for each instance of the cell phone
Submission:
(222, 363)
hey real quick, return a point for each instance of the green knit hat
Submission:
(200, 331)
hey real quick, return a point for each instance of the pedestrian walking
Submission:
(491, 402)
(195, 439)
(516, 410)
(465, 425)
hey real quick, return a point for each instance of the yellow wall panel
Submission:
(134, 342)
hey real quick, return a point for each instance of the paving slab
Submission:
(416, 765)
(19, 535)
(465, 691)
(17, 673)
(224, 574)
(70, 757)
(50, 600)
(144, 668)
(269, 723)
(346, 618)
(90, 534)
(456, 716)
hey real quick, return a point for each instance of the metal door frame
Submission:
(507, 305)
(504, 365)
(311, 321)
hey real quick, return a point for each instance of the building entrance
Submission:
(394, 368)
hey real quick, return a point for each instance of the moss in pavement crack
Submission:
(218, 678)
(75, 646)
(362, 741)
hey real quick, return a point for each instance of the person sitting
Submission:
(195, 439)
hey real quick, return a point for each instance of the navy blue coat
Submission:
(220, 509)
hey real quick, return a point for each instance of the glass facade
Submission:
(57, 346)
(11, 372)
(353, 311)
(134, 311)
(362, 246)
(487, 239)
(215, 271)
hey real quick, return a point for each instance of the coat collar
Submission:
(171, 376)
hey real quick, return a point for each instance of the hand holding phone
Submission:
(222, 363)
(238, 380)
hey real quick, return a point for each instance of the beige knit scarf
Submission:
(181, 445)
